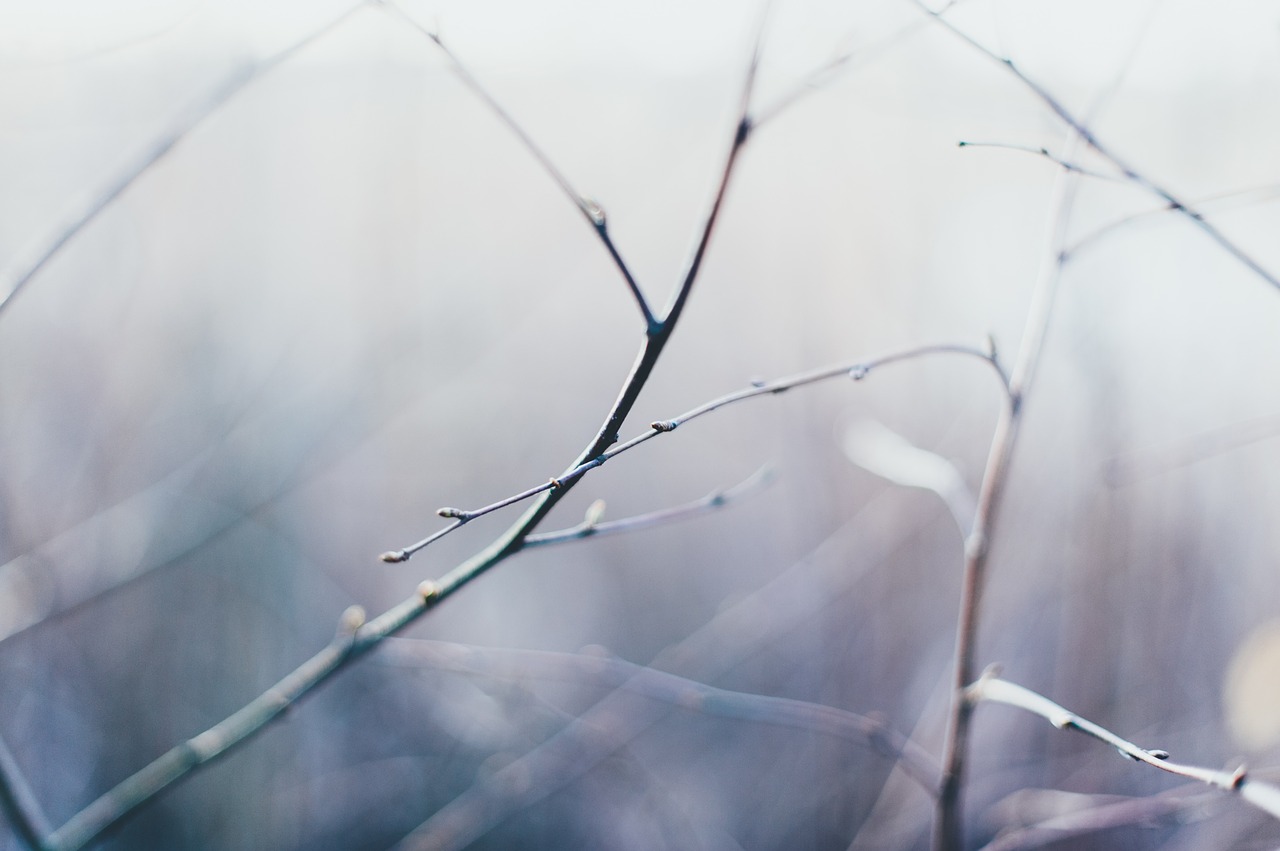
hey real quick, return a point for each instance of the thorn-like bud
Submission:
(595, 512)
(758, 382)
(962, 144)
(352, 619)
(1158, 753)
(394, 556)
(592, 208)
(1238, 776)
(859, 372)
(428, 589)
(663, 425)
(456, 513)
(992, 351)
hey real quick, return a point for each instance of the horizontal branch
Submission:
(607, 671)
(856, 370)
(1048, 155)
(15, 278)
(989, 688)
(1086, 134)
(592, 527)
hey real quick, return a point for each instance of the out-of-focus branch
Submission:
(16, 277)
(991, 689)
(19, 804)
(593, 527)
(589, 208)
(681, 692)
(1151, 461)
(1176, 805)
(856, 370)
(948, 827)
(1082, 129)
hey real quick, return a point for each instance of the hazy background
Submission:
(351, 297)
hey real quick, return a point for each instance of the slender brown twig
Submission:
(1082, 129)
(991, 689)
(948, 828)
(16, 277)
(856, 370)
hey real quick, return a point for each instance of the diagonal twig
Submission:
(1081, 129)
(19, 803)
(20, 273)
(991, 689)
(589, 208)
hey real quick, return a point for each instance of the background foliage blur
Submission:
(351, 297)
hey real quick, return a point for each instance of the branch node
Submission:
(428, 590)
(1158, 753)
(664, 425)
(394, 556)
(595, 212)
(350, 621)
(745, 127)
(859, 372)
(555, 483)
(758, 383)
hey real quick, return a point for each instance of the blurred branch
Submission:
(16, 277)
(991, 689)
(883, 452)
(1221, 200)
(1152, 461)
(592, 527)
(589, 208)
(948, 835)
(856, 370)
(1110, 815)
(19, 804)
(732, 634)
(1082, 130)
(843, 62)
(608, 671)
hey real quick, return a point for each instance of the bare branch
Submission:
(608, 671)
(1137, 465)
(589, 208)
(991, 689)
(19, 803)
(948, 835)
(1082, 130)
(1048, 155)
(592, 527)
(856, 370)
(16, 277)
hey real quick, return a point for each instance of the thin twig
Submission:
(681, 692)
(1082, 130)
(592, 526)
(856, 370)
(19, 803)
(1220, 200)
(589, 208)
(948, 834)
(991, 689)
(16, 277)
(1048, 155)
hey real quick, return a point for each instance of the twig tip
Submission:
(394, 556)
(455, 513)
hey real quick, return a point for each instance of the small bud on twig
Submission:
(427, 589)
(394, 556)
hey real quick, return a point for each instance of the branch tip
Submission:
(454, 513)
(394, 556)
